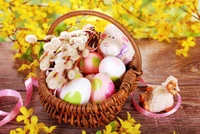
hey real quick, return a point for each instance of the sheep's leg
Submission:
(144, 102)
(142, 96)
(146, 105)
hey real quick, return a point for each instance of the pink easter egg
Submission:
(90, 64)
(102, 87)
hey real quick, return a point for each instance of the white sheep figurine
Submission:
(160, 97)
(115, 43)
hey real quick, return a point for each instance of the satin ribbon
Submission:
(123, 50)
(12, 93)
(155, 115)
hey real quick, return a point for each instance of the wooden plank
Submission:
(159, 61)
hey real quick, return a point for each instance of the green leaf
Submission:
(2, 39)
(113, 125)
(26, 57)
(60, 28)
(98, 132)
(28, 51)
(41, 50)
(23, 57)
(29, 58)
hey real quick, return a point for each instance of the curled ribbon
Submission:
(12, 93)
(155, 115)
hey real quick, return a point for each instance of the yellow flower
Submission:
(25, 115)
(137, 4)
(49, 130)
(35, 63)
(36, 48)
(83, 132)
(34, 127)
(7, 27)
(182, 52)
(158, 5)
(108, 130)
(163, 31)
(126, 126)
(196, 27)
(31, 74)
(31, 124)
(130, 119)
(17, 55)
(13, 132)
(186, 44)
(190, 42)
(23, 67)
(17, 131)
(161, 35)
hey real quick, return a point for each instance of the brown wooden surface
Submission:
(159, 61)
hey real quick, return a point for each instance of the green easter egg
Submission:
(96, 84)
(96, 61)
(73, 97)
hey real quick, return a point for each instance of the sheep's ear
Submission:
(103, 35)
(125, 39)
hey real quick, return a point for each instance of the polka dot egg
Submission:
(102, 87)
(90, 64)
(76, 91)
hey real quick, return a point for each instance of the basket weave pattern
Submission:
(92, 114)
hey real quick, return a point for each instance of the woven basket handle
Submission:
(137, 56)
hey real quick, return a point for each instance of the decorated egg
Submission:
(76, 91)
(102, 87)
(90, 64)
(113, 67)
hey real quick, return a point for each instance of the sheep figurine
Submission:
(160, 97)
(115, 43)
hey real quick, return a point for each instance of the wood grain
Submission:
(159, 61)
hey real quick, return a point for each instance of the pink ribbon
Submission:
(12, 93)
(155, 115)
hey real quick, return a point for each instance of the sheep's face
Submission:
(171, 87)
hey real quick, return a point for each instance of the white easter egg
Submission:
(113, 67)
(76, 91)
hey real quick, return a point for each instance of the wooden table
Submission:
(159, 61)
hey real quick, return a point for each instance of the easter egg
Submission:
(113, 67)
(102, 87)
(76, 91)
(90, 64)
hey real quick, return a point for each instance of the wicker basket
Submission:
(92, 114)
